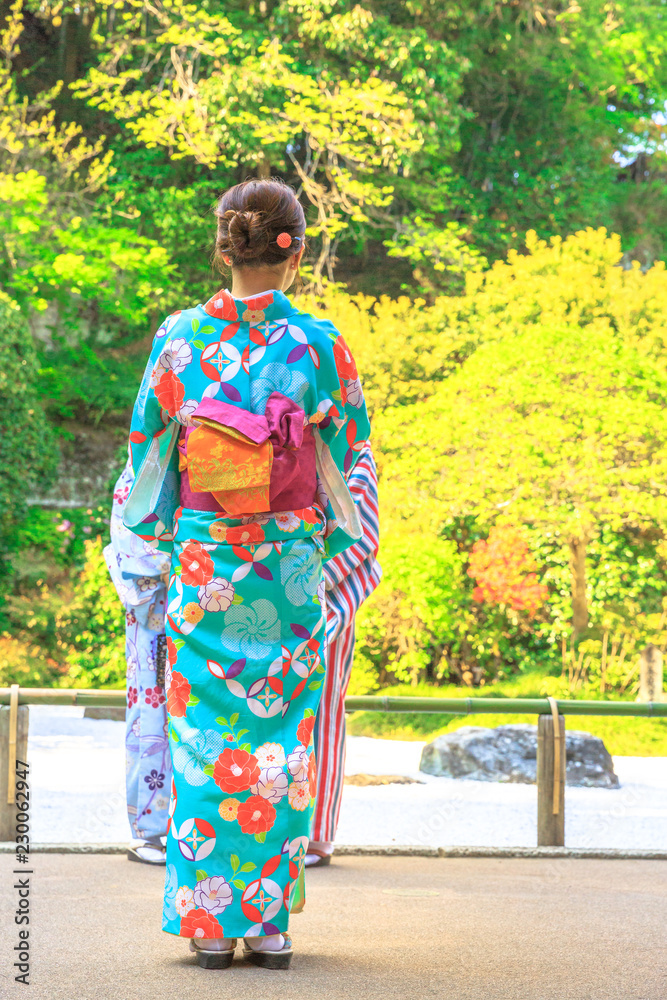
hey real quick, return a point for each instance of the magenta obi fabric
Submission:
(293, 484)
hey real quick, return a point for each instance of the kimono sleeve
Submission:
(137, 569)
(343, 428)
(154, 497)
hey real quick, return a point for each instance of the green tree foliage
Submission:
(426, 139)
(70, 634)
(556, 419)
(29, 450)
(567, 431)
(416, 617)
(445, 132)
(58, 249)
(338, 95)
(554, 92)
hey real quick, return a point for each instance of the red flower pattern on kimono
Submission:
(312, 776)
(236, 770)
(259, 301)
(200, 924)
(172, 652)
(196, 565)
(245, 534)
(345, 365)
(170, 393)
(254, 312)
(309, 515)
(222, 306)
(304, 731)
(256, 815)
(178, 695)
(155, 696)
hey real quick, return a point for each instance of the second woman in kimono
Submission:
(249, 418)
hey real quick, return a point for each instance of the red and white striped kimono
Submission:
(350, 578)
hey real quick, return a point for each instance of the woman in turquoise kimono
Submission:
(249, 418)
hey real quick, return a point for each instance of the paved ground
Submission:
(77, 778)
(373, 929)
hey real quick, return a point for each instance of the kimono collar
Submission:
(270, 305)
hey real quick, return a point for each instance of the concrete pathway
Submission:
(373, 929)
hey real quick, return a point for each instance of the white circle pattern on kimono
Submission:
(172, 806)
(264, 697)
(196, 839)
(261, 901)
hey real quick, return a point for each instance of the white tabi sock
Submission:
(149, 853)
(272, 942)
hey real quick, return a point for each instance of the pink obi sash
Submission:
(240, 463)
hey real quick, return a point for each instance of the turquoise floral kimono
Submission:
(249, 418)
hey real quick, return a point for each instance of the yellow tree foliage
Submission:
(537, 396)
(558, 418)
(405, 348)
(578, 280)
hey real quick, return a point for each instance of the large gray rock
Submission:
(509, 753)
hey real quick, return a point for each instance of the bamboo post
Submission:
(551, 778)
(11, 744)
(603, 664)
(13, 747)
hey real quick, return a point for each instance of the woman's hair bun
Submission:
(248, 236)
(251, 217)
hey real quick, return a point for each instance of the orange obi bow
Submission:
(241, 458)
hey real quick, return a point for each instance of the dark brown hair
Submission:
(251, 216)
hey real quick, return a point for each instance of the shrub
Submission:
(505, 571)
(29, 454)
(413, 620)
(557, 306)
(69, 632)
(93, 630)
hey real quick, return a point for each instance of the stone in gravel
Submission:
(509, 753)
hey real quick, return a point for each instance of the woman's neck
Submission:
(250, 281)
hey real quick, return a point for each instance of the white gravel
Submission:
(77, 772)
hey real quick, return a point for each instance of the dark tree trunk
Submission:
(264, 169)
(578, 582)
